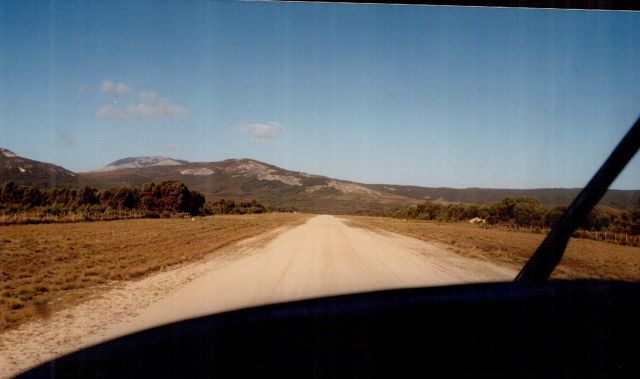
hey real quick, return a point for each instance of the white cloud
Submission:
(150, 106)
(109, 111)
(263, 132)
(115, 89)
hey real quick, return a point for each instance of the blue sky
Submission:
(433, 96)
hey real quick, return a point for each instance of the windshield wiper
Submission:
(540, 266)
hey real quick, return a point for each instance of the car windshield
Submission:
(165, 160)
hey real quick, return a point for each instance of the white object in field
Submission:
(477, 220)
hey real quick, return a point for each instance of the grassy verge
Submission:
(50, 266)
(582, 259)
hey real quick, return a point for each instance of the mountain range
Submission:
(246, 179)
(26, 171)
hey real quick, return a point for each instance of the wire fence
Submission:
(613, 237)
(620, 238)
(118, 214)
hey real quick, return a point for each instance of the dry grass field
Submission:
(51, 266)
(583, 258)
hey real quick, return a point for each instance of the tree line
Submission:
(149, 200)
(225, 207)
(523, 211)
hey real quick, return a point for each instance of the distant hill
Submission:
(247, 179)
(139, 162)
(25, 171)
